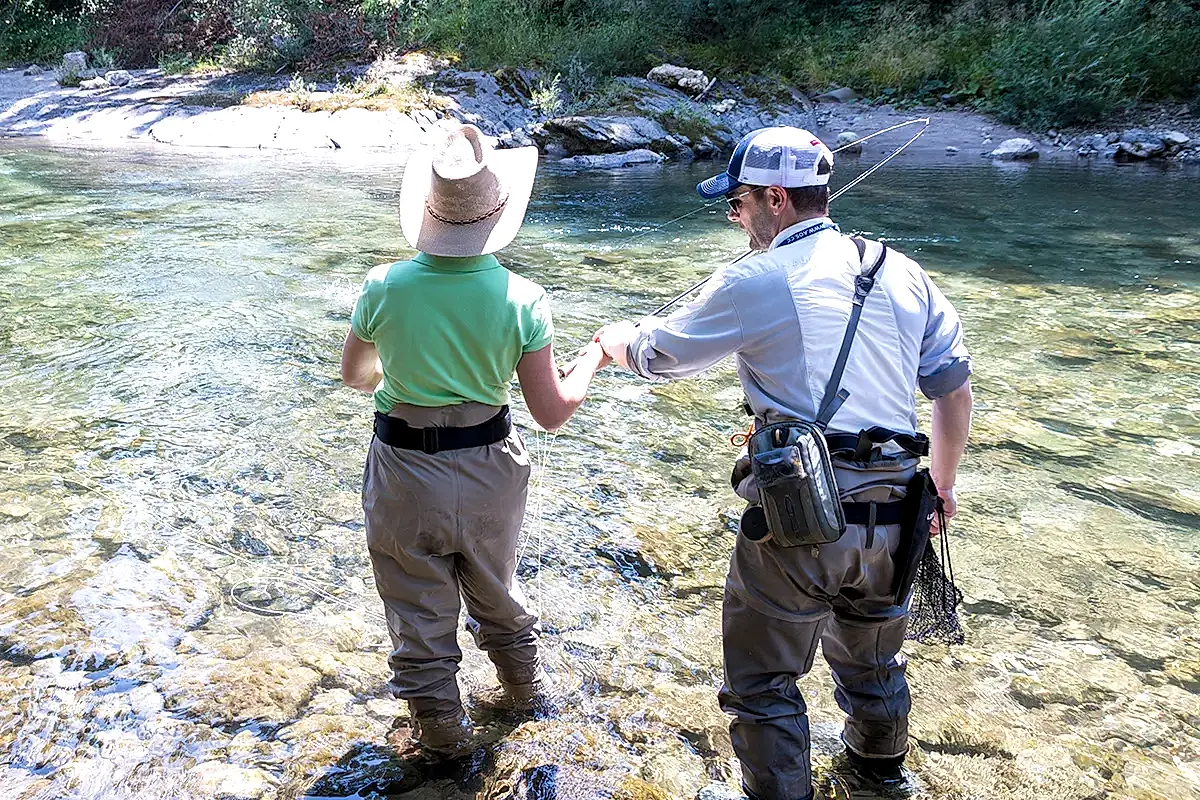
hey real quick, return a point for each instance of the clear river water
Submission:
(186, 605)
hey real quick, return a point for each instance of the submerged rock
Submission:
(1015, 149)
(124, 609)
(849, 144)
(220, 781)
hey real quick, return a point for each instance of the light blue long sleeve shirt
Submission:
(782, 314)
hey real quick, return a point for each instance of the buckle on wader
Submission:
(429, 440)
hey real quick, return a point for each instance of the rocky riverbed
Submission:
(397, 104)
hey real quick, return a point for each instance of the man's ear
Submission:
(777, 199)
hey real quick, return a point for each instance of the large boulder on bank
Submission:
(1015, 149)
(1175, 139)
(681, 78)
(614, 160)
(599, 135)
(1138, 145)
(75, 61)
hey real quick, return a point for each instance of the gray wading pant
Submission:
(439, 526)
(779, 603)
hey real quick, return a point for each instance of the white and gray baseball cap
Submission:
(783, 156)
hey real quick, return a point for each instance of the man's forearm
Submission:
(951, 426)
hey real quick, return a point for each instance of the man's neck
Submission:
(795, 218)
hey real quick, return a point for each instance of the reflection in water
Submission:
(186, 607)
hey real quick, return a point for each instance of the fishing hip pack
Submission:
(790, 459)
(796, 487)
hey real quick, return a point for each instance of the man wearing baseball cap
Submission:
(838, 333)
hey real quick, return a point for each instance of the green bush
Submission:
(37, 31)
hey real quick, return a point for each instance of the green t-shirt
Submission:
(449, 330)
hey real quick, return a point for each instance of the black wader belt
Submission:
(885, 513)
(858, 445)
(395, 432)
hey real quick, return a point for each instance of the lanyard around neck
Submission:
(811, 230)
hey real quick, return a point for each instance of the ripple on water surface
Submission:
(187, 608)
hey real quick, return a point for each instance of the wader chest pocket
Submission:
(796, 486)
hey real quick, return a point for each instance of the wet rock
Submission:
(1175, 139)
(682, 78)
(118, 77)
(213, 779)
(33, 71)
(951, 150)
(125, 609)
(14, 511)
(1093, 145)
(598, 135)
(841, 95)
(387, 708)
(259, 542)
(1015, 149)
(75, 61)
(629, 158)
(719, 791)
(1138, 145)
(515, 138)
(848, 143)
(270, 685)
(1146, 499)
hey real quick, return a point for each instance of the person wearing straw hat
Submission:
(834, 335)
(437, 339)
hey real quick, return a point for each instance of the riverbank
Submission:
(396, 105)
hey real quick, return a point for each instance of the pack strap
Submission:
(863, 284)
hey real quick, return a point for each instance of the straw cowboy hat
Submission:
(461, 197)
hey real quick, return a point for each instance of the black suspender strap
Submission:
(863, 284)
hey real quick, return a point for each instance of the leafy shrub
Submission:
(39, 31)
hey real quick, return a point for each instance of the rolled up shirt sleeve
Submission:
(689, 341)
(945, 363)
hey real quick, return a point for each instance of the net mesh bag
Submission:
(933, 615)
